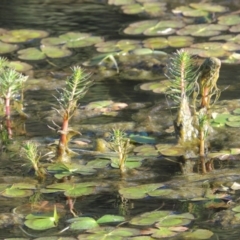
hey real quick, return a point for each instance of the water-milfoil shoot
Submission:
(183, 75)
(11, 84)
(77, 86)
(121, 145)
(30, 152)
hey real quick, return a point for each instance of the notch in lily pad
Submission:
(42, 221)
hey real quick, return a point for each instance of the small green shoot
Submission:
(121, 145)
(30, 152)
(77, 86)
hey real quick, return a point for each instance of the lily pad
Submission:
(170, 150)
(22, 35)
(138, 192)
(86, 42)
(42, 222)
(53, 41)
(56, 51)
(98, 163)
(7, 48)
(156, 87)
(83, 223)
(164, 28)
(233, 124)
(149, 218)
(190, 12)
(20, 66)
(209, 7)
(31, 54)
(163, 232)
(138, 28)
(198, 234)
(229, 20)
(146, 150)
(202, 30)
(151, 8)
(12, 192)
(110, 219)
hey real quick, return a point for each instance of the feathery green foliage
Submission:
(11, 82)
(77, 86)
(183, 74)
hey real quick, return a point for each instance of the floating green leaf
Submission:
(110, 219)
(229, 20)
(22, 35)
(31, 54)
(20, 66)
(56, 51)
(42, 222)
(7, 48)
(83, 223)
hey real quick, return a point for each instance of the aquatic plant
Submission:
(120, 144)
(188, 80)
(77, 86)
(30, 152)
(11, 84)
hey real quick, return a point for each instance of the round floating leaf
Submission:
(180, 41)
(110, 219)
(236, 111)
(157, 87)
(163, 233)
(152, 8)
(222, 118)
(31, 54)
(202, 30)
(78, 191)
(171, 222)
(190, 12)
(24, 185)
(98, 104)
(138, 192)
(149, 218)
(156, 43)
(53, 41)
(7, 48)
(120, 2)
(233, 124)
(74, 36)
(146, 150)
(16, 192)
(160, 192)
(209, 7)
(20, 66)
(56, 51)
(236, 209)
(198, 234)
(235, 28)
(139, 27)
(164, 28)
(88, 41)
(234, 119)
(83, 223)
(229, 20)
(98, 163)
(22, 35)
(174, 151)
(40, 224)
(231, 46)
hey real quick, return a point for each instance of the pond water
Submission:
(147, 114)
